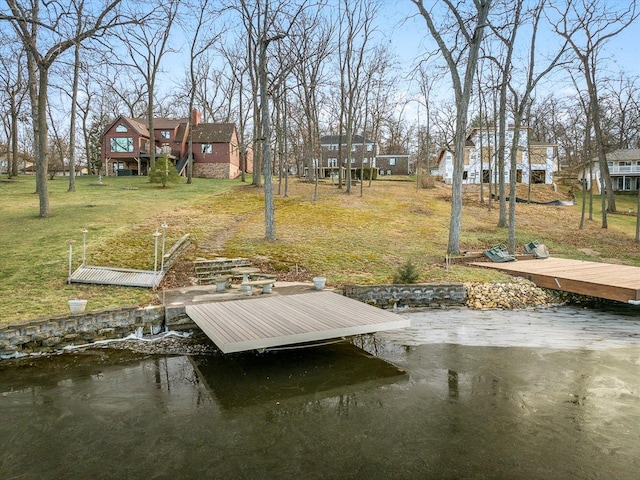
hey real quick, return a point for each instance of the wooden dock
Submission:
(125, 277)
(603, 280)
(265, 322)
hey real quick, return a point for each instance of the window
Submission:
(369, 147)
(333, 147)
(353, 148)
(353, 160)
(121, 128)
(207, 148)
(121, 144)
(165, 133)
(365, 160)
(392, 162)
(332, 162)
(144, 145)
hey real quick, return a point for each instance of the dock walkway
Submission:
(603, 280)
(125, 277)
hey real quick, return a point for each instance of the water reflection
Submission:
(308, 374)
(450, 411)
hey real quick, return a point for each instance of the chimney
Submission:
(196, 118)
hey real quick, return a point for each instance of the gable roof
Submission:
(138, 126)
(213, 132)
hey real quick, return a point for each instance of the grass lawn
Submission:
(347, 238)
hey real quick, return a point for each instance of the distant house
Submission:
(26, 163)
(536, 161)
(334, 154)
(624, 170)
(216, 153)
(393, 164)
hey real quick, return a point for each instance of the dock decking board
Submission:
(264, 322)
(603, 280)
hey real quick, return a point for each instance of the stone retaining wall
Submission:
(48, 335)
(414, 295)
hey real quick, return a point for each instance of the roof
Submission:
(167, 123)
(335, 140)
(213, 133)
(631, 154)
(138, 125)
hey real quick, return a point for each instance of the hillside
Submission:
(347, 238)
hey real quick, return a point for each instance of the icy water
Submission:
(461, 394)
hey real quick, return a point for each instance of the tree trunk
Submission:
(270, 229)
(72, 126)
(41, 136)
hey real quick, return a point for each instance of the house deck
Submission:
(266, 322)
(125, 277)
(603, 280)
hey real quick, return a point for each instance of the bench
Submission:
(266, 285)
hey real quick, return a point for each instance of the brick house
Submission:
(216, 152)
(363, 152)
(393, 164)
(536, 161)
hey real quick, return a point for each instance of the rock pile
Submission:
(519, 293)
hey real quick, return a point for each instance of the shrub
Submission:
(163, 172)
(407, 273)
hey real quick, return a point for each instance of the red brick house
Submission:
(216, 152)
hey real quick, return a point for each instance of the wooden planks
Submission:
(117, 276)
(265, 322)
(603, 280)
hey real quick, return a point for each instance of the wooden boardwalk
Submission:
(125, 277)
(264, 322)
(603, 280)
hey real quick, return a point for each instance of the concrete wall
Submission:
(414, 295)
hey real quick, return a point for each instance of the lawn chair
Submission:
(499, 254)
(537, 249)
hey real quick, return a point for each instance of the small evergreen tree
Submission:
(407, 273)
(163, 172)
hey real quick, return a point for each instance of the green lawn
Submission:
(347, 238)
(120, 216)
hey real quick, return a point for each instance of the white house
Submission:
(624, 169)
(536, 161)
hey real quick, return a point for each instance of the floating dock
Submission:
(274, 321)
(602, 280)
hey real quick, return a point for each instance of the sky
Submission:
(409, 38)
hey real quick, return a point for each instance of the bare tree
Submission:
(587, 25)
(35, 25)
(146, 46)
(310, 51)
(356, 26)
(461, 53)
(197, 48)
(521, 98)
(13, 85)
